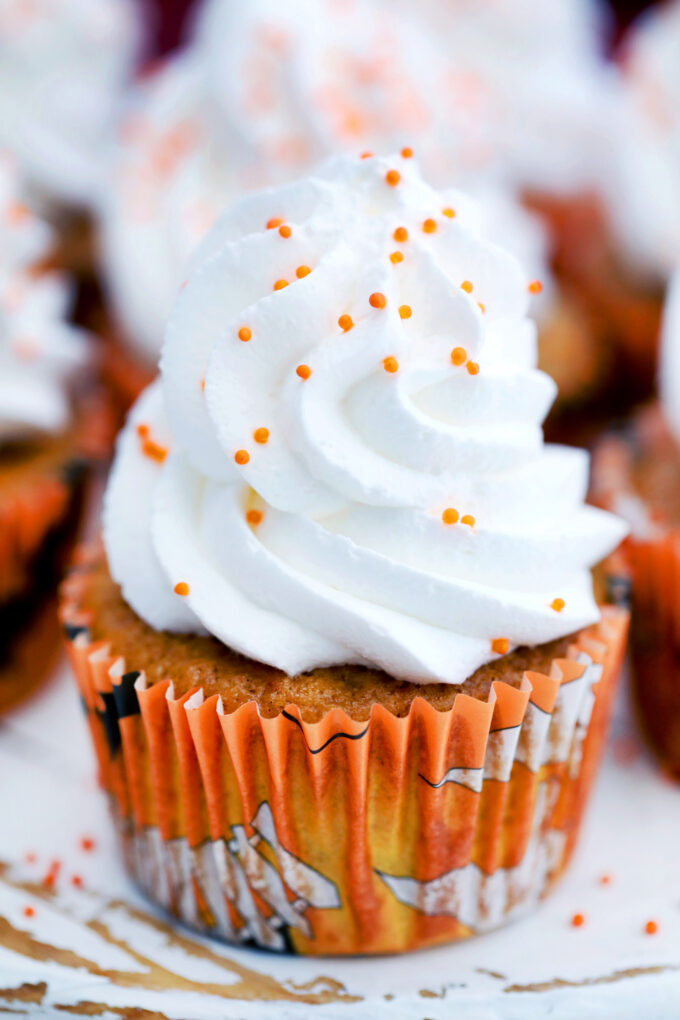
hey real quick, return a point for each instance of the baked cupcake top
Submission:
(40, 352)
(646, 192)
(63, 67)
(343, 461)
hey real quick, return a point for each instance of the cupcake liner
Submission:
(347, 836)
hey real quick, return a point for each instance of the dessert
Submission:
(345, 674)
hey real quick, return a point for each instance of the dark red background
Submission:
(167, 18)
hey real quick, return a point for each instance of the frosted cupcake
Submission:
(345, 674)
(262, 92)
(45, 433)
(637, 474)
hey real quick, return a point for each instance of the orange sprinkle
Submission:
(254, 516)
(578, 920)
(391, 364)
(472, 367)
(557, 605)
(241, 457)
(77, 881)
(651, 928)
(345, 322)
(466, 286)
(302, 271)
(366, 155)
(429, 226)
(407, 152)
(275, 221)
(87, 844)
(285, 230)
(605, 879)
(400, 234)
(245, 334)
(203, 385)
(458, 355)
(29, 911)
(396, 256)
(181, 588)
(535, 287)
(449, 212)
(500, 645)
(304, 371)
(405, 311)
(261, 435)
(450, 516)
(481, 307)
(154, 450)
(280, 284)
(377, 300)
(142, 431)
(393, 177)
(468, 519)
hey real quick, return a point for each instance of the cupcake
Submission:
(46, 433)
(345, 675)
(637, 474)
(262, 92)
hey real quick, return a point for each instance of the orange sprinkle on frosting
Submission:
(500, 645)
(345, 322)
(605, 879)
(472, 367)
(467, 287)
(651, 928)
(535, 287)
(241, 457)
(29, 911)
(396, 256)
(393, 177)
(449, 212)
(429, 226)
(578, 920)
(468, 519)
(285, 230)
(275, 221)
(245, 334)
(302, 271)
(280, 284)
(254, 516)
(377, 300)
(405, 311)
(557, 605)
(261, 435)
(400, 234)
(481, 307)
(154, 450)
(181, 588)
(391, 364)
(366, 155)
(450, 516)
(458, 355)
(304, 371)
(142, 431)
(407, 152)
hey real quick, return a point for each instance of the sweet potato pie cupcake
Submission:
(46, 434)
(345, 675)
(637, 473)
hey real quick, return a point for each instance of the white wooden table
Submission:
(97, 948)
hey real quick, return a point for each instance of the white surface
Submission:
(49, 800)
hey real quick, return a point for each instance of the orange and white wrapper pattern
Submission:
(345, 836)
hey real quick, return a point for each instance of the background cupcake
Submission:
(46, 436)
(354, 681)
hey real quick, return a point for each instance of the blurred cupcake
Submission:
(63, 67)
(351, 692)
(45, 439)
(638, 475)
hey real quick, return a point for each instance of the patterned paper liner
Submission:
(650, 559)
(345, 836)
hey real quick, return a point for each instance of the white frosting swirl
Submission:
(39, 351)
(63, 67)
(352, 561)
(669, 359)
(645, 196)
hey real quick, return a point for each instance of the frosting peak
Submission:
(355, 470)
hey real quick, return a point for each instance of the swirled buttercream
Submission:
(343, 461)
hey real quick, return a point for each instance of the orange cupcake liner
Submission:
(347, 836)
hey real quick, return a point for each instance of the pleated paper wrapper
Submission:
(344, 836)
